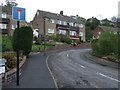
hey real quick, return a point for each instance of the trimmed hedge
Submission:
(25, 40)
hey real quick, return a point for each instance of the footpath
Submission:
(34, 75)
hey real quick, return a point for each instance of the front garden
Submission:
(107, 46)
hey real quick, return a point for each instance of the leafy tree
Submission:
(106, 22)
(11, 3)
(92, 23)
(25, 39)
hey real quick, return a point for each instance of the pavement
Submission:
(35, 74)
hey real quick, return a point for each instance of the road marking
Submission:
(67, 55)
(82, 66)
(108, 77)
(51, 72)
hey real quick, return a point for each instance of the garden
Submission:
(107, 46)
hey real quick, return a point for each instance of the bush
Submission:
(106, 44)
(25, 40)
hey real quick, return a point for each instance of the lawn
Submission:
(7, 42)
(36, 48)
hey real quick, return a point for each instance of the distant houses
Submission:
(48, 23)
(98, 30)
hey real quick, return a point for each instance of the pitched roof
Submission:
(7, 10)
(58, 16)
(110, 28)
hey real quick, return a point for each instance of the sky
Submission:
(84, 8)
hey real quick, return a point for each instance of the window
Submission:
(81, 25)
(73, 33)
(62, 31)
(80, 33)
(50, 30)
(63, 22)
(3, 26)
(3, 15)
(71, 24)
(14, 26)
(51, 20)
(99, 33)
(75, 24)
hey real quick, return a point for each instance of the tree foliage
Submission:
(25, 40)
(106, 44)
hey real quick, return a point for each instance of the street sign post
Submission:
(19, 15)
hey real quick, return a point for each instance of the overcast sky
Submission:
(84, 8)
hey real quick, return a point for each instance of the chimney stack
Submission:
(61, 13)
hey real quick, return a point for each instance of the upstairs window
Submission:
(3, 26)
(63, 22)
(3, 15)
(51, 20)
(71, 24)
(81, 25)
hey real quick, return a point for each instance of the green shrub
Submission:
(25, 40)
(106, 44)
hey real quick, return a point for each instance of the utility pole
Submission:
(44, 38)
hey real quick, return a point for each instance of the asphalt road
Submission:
(73, 69)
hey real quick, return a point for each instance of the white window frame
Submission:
(81, 25)
(3, 26)
(71, 24)
(3, 15)
(73, 33)
(14, 26)
(81, 33)
(51, 31)
(51, 20)
(64, 32)
(99, 33)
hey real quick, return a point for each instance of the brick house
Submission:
(7, 25)
(59, 24)
(98, 30)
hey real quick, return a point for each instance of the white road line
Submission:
(67, 55)
(51, 72)
(82, 66)
(108, 77)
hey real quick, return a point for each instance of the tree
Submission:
(25, 40)
(92, 23)
(106, 22)
(10, 3)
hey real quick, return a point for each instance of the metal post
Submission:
(17, 73)
(44, 39)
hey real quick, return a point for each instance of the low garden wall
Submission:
(8, 76)
(61, 46)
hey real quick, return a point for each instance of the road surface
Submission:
(73, 69)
